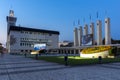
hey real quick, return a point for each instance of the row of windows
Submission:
(20, 50)
(26, 44)
(32, 44)
(36, 33)
(36, 40)
(26, 50)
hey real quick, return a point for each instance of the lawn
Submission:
(74, 61)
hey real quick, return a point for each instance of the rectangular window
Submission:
(20, 44)
(26, 50)
(21, 50)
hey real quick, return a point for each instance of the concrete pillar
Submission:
(92, 31)
(76, 37)
(99, 32)
(79, 51)
(57, 51)
(74, 51)
(67, 51)
(107, 31)
(70, 52)
(85, 29)
(63, 51)
(60, 51)
(80, 35)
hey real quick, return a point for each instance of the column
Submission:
(107, 31)
(99, 32)
(80, 35)
(85, 29)
(75, 37)
(92, 31)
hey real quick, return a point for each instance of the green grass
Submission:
(74, 61)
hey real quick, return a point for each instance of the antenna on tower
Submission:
(106, 13)
(11, 7)
(84, 20)
(78, 22)
(73, 23)
(97, 14)
(90, 17)
(11, 12)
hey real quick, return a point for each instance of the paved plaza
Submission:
(20, 68)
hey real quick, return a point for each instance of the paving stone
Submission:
(4, 77)
(21, 68)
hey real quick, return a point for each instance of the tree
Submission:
(1, 48)
(112, 41)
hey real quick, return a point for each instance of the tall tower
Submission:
(11, 20)
(75, 37)
(80, 35)
(99, 32)
(107, 31)
(85, 29)
(92, 31)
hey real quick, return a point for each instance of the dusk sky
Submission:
(59, 15)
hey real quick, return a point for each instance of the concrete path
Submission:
(20, 68)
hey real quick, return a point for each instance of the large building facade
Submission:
(22, 39)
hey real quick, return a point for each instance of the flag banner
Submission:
(39, 46)
(87, 39)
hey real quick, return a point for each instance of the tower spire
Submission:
(11, 20)
(97, 14)
(78, 22)
(73, 23)
(90, 17)
(106, 14)
(84, 20)
(11, 13)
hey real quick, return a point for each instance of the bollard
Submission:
(100, 59)
(25, 55)
(66, 60)
(36, 56)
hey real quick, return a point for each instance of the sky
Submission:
(59, 15)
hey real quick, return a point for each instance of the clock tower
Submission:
(11, 20)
